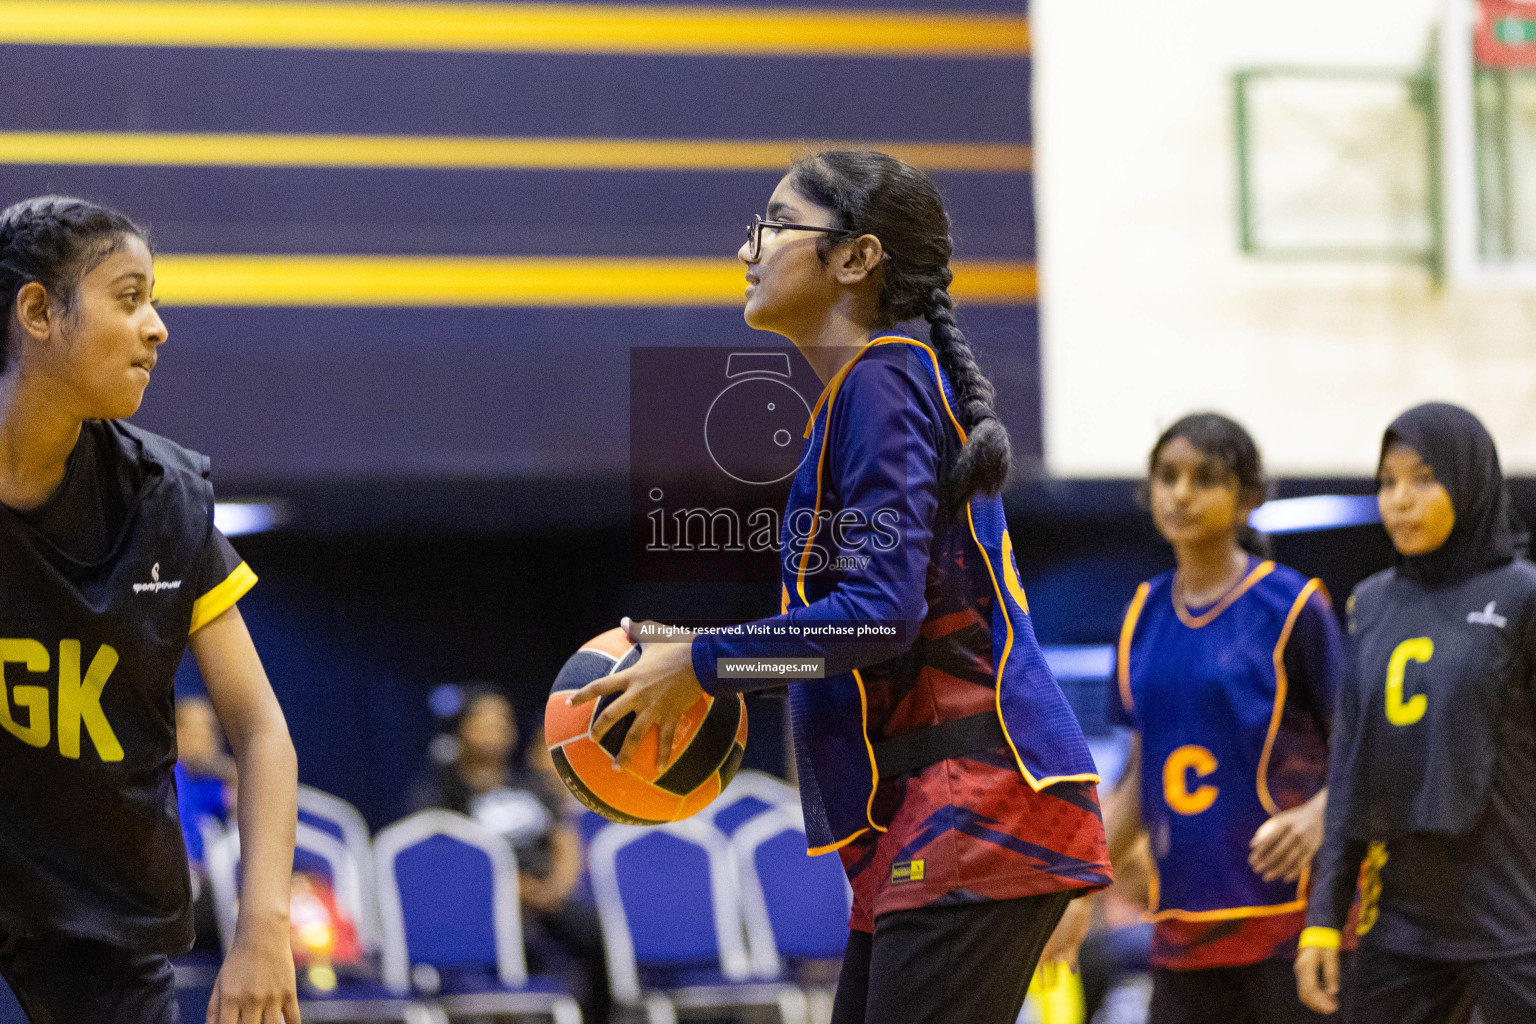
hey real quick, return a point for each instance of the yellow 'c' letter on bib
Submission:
(34, 698)
(1175, 783)
(1399, 711)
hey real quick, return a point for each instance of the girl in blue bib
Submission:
(1226, 668)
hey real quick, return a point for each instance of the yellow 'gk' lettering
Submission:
(34, 698)
(1189, 758)
(79, 698)
(80, 701)
(1399, 711)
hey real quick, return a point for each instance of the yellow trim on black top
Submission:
(1127, 631)
(1317, 937)
(1207, 617)
(1282, 685)
(222, 597)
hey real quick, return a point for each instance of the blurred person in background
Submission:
(1226, 668)
(206, 781)
(205, 792)
(483, 780)
(537, 760)
(1119, 942)
(1433, 769)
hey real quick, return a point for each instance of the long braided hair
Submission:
(872, 193)
(55, 241)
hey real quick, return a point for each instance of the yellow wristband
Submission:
(1319, 938)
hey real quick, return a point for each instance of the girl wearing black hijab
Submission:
(1433, 769)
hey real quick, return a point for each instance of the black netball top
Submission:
(100, 588)
(1434, 751)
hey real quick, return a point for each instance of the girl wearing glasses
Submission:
(937, 757)
(1432, 804)
(111, 568)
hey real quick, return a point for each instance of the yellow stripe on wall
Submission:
(181, 149)
(227, 280)
(513, 28)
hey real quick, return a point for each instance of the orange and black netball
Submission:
(706, 749)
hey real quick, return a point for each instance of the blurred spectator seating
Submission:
(473, 771)
(336, 982)
(795, 906)
(749, 794)
(670, 906)
(339, 819)
(451, 920)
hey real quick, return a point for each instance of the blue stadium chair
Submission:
(333, 815)
(452, 924)
(670, 909)
(749, 794)
(795, 906)
(353, 998)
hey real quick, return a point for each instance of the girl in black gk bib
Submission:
(110, 567)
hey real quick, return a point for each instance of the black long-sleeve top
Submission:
(1432, 778)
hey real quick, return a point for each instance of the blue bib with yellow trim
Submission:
(829, 717)
(1207, 693)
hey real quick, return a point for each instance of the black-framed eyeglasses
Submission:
(755, 233)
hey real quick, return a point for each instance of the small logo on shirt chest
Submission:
(908, 871)
(156, 584)
(1487, 617)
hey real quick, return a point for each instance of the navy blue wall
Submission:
(283, 395)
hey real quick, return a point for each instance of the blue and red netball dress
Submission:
(1016, 814)
(1233, 704)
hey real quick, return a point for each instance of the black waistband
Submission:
(956, 738)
